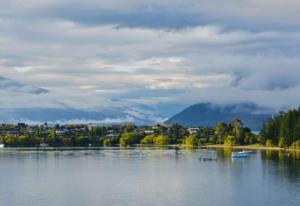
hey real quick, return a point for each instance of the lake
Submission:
(148, 176)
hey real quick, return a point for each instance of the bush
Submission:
(162, 140)
(149, 139)
(296, 145)
(191, 140)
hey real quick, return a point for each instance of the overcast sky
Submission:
(94, 53)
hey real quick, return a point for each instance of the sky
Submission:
(94, 54)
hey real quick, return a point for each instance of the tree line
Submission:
(126, 135)
(282, 130)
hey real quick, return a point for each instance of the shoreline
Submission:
(251, 147)
(213, 146)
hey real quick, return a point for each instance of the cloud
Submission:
(95, 54)
(13, 86)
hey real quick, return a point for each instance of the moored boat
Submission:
(248, 151)
(240, 154)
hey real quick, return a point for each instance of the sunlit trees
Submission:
(162, 140)
(191, 140)
(283, 130)
(128, 139)
(149, 139)
(107, 142)
(230, 140)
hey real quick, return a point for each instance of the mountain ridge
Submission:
(208, 114)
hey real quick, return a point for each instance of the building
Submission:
(193, 131)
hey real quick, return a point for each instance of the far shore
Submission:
(250, 147)
(213, 146)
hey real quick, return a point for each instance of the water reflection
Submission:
(148, 176)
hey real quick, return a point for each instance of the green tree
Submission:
(82, 141)
(162, 140)
(67, 141)
(149, 139)
(231, 140)
(128, 139)
(237, 130)
(269, 143)
(107, 142)
(191, 140)
(282, 142)
(220, 131)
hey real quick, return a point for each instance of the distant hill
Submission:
(207, 114)
(77, 116)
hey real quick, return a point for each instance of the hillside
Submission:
(207, 114)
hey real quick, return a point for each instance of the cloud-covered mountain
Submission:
(207, 114)
(77, 116)
(14, 86)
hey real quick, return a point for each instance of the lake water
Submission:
(148, 176)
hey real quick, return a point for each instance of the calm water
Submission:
(148, 176)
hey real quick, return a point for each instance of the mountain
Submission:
(207, 114)
(78, 116)
(14, 86)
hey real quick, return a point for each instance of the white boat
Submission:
(248, 151)
(240, 154)
(1, 145)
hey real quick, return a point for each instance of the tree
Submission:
(107, 142)
(82, 141)
(282, 142)
(191, 140)
(220, 131)
(149, 139)
(283, 129)
(269, 143)
(128, 139)
(176, 132)
(25, 140)
(231, 140)
(67, 141)
(237, 130)
(162, 140)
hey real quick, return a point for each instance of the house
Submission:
(44, 144)
(149, 132)
(61, 132)
(193, 131)
(91, 126)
